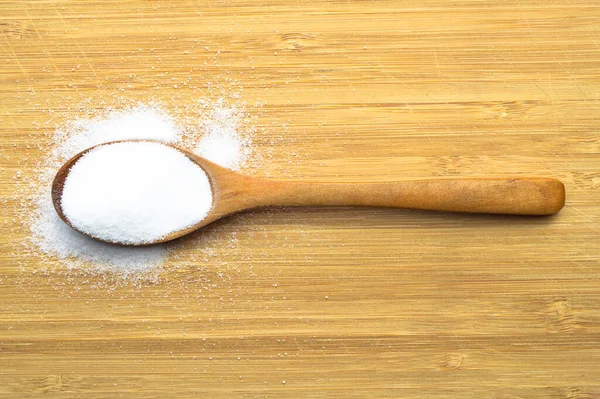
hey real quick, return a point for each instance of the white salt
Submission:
(53, 237)
(135, 192)
(222, 142)
(52, 240)
(140, 123)
(221, 148)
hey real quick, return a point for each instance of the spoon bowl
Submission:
(234, 192)
(223, 182)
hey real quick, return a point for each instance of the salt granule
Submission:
(135, 192)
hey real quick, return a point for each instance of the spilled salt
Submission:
(135, 192)
(221, 142)
(55, 242)
(144, 122)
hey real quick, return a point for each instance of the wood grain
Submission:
(324, 302)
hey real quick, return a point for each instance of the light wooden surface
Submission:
(338, 303)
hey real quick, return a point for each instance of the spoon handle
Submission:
(510, 196)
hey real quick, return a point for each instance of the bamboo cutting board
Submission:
(328, 303)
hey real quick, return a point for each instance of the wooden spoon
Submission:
(234, 192)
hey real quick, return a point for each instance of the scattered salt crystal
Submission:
(222, 148)
(140, 123)
(222, 142)
(135, 192)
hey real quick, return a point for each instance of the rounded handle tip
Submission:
(556, 196)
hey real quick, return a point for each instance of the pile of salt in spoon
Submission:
(135, 192)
